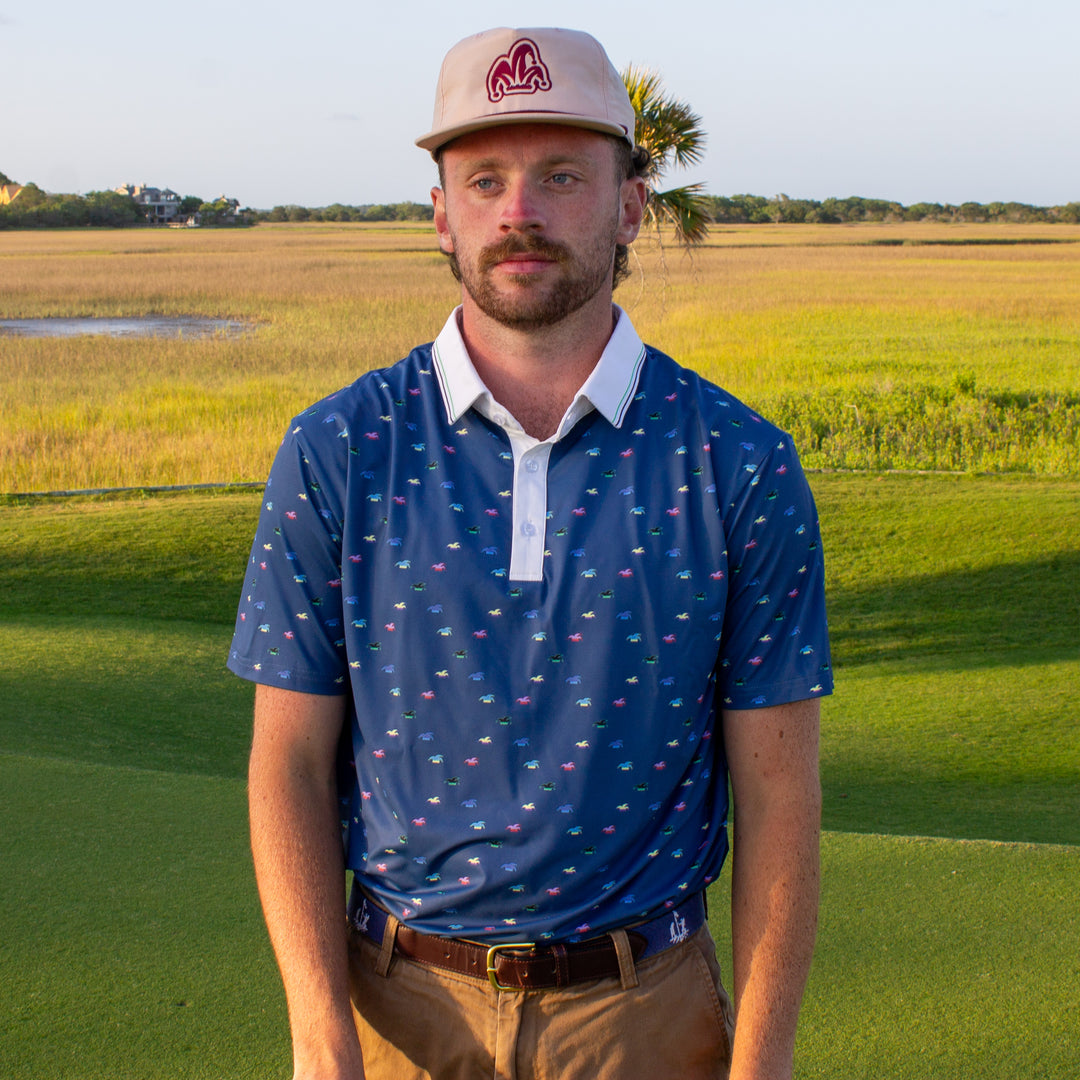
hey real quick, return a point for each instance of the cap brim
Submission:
(433, 140)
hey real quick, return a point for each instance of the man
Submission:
(552, 588)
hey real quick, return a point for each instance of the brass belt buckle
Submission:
(491, 954)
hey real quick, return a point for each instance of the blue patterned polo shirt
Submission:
(535, 638)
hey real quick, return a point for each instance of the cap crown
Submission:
(539, 75)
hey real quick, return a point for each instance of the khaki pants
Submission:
(416, 1023)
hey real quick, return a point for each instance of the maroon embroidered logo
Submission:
(519, 71)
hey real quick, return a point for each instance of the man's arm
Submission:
(772, 757)
(296, 844)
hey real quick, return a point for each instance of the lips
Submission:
(524, 264)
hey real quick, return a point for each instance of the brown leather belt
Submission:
(516, 967)
(523, 965)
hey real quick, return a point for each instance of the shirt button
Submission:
(531, 464)
(529, 529)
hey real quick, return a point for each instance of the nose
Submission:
(521, 209)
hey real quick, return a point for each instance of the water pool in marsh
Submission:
(156, 326)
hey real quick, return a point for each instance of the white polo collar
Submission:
(609, 388)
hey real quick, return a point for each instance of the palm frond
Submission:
(684, 208)
(668, 128)
(672, 133)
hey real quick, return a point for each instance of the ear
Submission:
(442, 229)
(633, 195)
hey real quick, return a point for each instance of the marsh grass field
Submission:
(878, 347)
(949, 944)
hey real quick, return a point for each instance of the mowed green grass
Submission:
(133, 944)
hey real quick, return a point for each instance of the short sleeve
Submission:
(289, 625)
(774, 647)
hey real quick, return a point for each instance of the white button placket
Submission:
(530, 507)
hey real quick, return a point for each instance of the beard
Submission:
(584, 274)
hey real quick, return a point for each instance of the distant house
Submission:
(227, 210)
(9, 192)
(160, 205)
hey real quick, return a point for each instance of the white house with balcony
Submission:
(160, 205)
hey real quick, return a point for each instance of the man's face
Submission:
(532, 214)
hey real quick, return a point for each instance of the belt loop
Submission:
(562, 965)
(627, 969)
(386, 951)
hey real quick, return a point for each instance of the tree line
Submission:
(402, 211)
(34, 208)
(745, 210)
(780, 209)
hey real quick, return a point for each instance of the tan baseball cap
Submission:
(542, 75)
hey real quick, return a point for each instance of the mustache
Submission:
(527, 244)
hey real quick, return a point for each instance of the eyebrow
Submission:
(490, 161)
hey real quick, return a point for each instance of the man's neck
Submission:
(536, 374)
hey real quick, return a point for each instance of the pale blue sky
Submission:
(929, 100)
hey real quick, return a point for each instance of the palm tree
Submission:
(672, 133)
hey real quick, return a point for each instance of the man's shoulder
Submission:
(375, 393)
(665, 380)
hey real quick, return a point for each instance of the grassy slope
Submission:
(133, 941)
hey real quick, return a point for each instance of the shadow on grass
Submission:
(183, 557)
(1035, 810)
(1013, 612)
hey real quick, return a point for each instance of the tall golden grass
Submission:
(879, 346)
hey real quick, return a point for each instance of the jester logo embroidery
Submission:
(678, 930)
(519, 71)
(362, 917)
